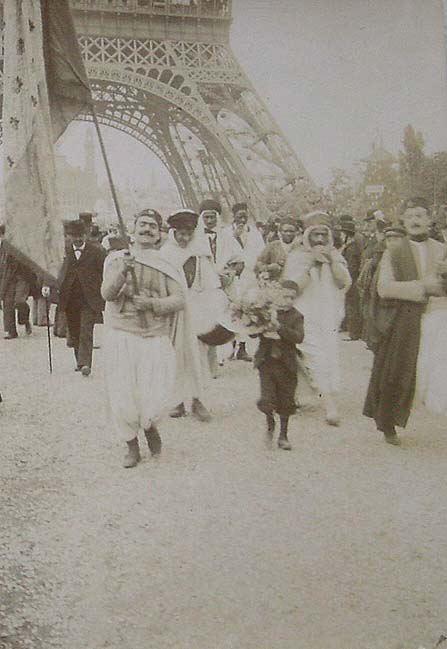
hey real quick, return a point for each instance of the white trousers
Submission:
(320, 355)
(140, 377)
(432, 362)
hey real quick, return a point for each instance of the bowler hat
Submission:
(86, 217)
(74, 228)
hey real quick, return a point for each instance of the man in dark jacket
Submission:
(16, 283)
(272, 259)
(80, 292)
(352, 249)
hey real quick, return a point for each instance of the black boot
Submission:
(391, 436)
(283, 441)
(199, 411)
(153, 440)
(133, 454)
(178, 411)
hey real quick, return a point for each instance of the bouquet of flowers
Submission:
(256, 311)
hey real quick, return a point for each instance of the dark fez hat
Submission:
(210, 205)
(239, 207)
(183, 219)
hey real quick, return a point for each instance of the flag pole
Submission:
(50, 354)
(119, 215)
(109, 173)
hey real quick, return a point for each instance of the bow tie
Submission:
(208, 231)
(419, 237)
(78, 249)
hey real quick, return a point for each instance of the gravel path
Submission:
(222, 543)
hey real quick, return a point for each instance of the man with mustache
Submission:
(411, 354)
(141, 326)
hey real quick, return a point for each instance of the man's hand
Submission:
(142, 302)
(321, 255)
(226, 278)
(433, 286)
(274, 269)
(46, 292)
(128, 261)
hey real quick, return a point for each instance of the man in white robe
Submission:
(323, 278)
(249, 245)
(192, 259)
(210, 227)
(222, 247)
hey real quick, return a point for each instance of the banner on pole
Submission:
(45, 87)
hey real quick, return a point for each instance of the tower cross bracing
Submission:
(163, 72)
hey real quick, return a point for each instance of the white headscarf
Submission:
(321, 300)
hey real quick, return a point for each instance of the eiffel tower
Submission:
(163, 72)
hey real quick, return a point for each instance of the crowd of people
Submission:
(164, 291)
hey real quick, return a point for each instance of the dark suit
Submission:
(352, 252)
(80, 298)
(277, 363)
(16, 283)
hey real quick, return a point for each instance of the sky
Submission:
(335, 74)
(338, 74)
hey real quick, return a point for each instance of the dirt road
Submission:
(222, 543)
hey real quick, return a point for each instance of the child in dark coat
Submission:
(276, 360)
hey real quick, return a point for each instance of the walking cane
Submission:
(50, 355)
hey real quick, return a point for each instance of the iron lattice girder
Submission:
(171, 64)
(200, 9)
(189, 61)
(196, 82)
(128, 110)
(149, 119)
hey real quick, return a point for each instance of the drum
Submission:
(219, 335)
(211, 319)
